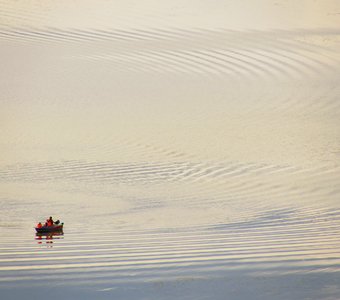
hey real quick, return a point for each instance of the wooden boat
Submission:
(52, 228)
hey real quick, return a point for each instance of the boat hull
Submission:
(53, 228)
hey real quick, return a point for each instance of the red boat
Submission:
(52, 228)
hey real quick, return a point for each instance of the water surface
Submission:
(192, 149)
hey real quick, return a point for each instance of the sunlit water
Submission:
(192, 150)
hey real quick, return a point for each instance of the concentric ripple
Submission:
(190, 148)
(242, 55)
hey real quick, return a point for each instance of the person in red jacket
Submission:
(39, 225)
(50, 222)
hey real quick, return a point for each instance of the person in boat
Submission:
(50, 222)
(39, 225)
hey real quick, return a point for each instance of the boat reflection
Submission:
(48, 237)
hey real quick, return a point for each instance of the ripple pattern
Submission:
(109, 257)
(236, 55)
(182, 153)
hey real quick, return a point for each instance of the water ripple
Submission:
(245, 54)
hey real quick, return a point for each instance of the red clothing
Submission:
(39, 225)
(50, 221)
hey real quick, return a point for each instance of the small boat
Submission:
(52, 228)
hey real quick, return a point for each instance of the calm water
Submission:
(192, 150)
